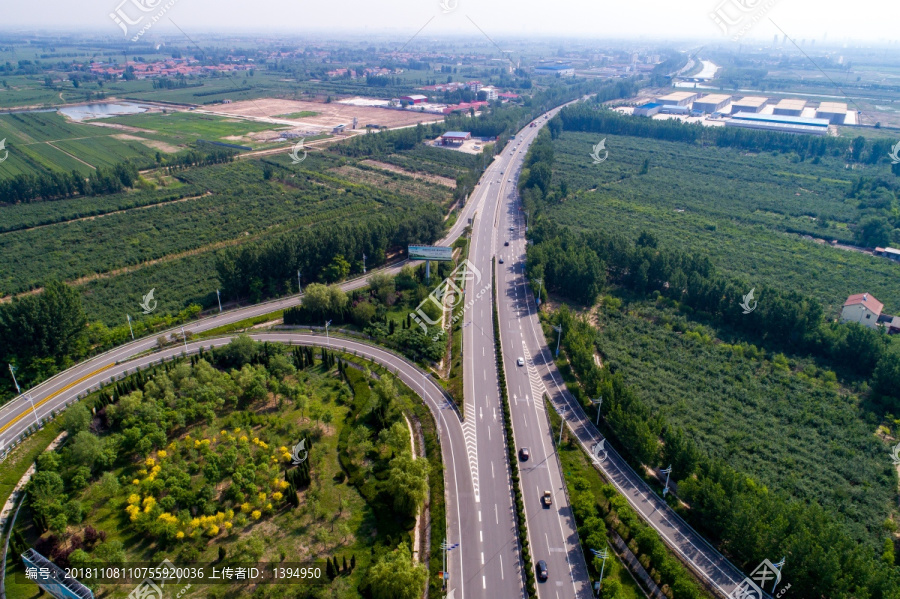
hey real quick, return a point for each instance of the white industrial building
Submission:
(790, 107)
(677, 99)
(835, 112)
(749, 104)
(711, 103)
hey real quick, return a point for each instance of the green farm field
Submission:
(746, 211)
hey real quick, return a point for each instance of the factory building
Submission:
(455, 138)
(783, 124)
(648, 109)
(414, 98)
(749, 104)
(711, 103)
(835, 112)
(790, 107)
(563, 70)
(677, 99)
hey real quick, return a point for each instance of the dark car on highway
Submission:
(524, 454)
(541, 570)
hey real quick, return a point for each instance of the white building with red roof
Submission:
(863, 309)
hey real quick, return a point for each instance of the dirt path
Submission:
(445, 181)
(72, 156)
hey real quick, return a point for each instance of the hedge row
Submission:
(511, 446)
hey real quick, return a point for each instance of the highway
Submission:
(522, 336)
(552, 533)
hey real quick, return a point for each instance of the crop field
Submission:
(42, 142)
(746, 211)
(185, 127)
(789, 424)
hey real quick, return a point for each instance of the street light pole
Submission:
(219, 299)
(12, 371)
(540, 283)
(598, 403)
(668, 472)
(299, 289)
(562, 423)
(364, 263)
(603, 554)
(558, 338)
(184, 339)
(128, 316)
(327, 340)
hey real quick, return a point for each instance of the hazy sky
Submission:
(874, 20)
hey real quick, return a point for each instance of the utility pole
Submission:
(562, 423)
(598, 402)
(184, 339)
(128, 316)
(327, 340)
(603, 554)
(12, 371)
(667, 472)
(219, 299)
(558, 338)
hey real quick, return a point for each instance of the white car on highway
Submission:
(521, 361)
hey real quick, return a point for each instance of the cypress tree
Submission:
(345, 564)
(352, 562)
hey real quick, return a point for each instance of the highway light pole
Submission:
(364, 264)
(667, 472)
(598, 402)
(558, 338)
(219, 299)
(12, 371)
(299, 289)
(446, 547)
(540, 283)
(184, 339)
(128, 316)
(603, 554)
(327, 340)
(562, 423)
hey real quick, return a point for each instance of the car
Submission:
(521, 361)
(524, 454)
(547, 499)
(541, 570)
(505, 243)
(500, 260)
(509, 180)
(511, 228)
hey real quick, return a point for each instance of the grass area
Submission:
(297, 115)
(13, 468)
(242, 324)
(185, 127)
